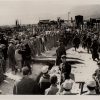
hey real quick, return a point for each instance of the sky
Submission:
(31, 11)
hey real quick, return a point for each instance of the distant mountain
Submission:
(87, 11)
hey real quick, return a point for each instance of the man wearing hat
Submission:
(65, 68)
(26, 86)
(66, 87)
(96, 77)
(59, 52)
(44, 80)
(11, 55)
(91, 85)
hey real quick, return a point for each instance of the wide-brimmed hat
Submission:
(68, 84)
(91, 83)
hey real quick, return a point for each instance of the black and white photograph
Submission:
(50, 47)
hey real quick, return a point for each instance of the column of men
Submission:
(89, 41)
(19, 49)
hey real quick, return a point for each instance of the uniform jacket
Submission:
(44, 83)
(26, 86)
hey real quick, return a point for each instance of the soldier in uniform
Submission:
(94, 48)
(32, 46)
(35, 45)
(28, 57)
(59, 52)
(65, 69)
(88, 42)
(84, 41)
(39, 45)
(4, 41)
(11, 55)
(76, 42)
(1, 63)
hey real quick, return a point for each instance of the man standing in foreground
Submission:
(26, 86)
(59, 52)
(65, 69)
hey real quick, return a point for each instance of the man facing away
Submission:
(26, 86)
(44, 81)
(53, 89)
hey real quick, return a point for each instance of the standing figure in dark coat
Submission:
(27, 57)
(26, 86)
(65, 69)
(11, 56)
(1, 65)
(4, 41)
(59, 52)
(76, 42)
(88, 42)
(95, 47)
(84, 41)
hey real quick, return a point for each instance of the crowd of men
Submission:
(21, 48)
(89, 40)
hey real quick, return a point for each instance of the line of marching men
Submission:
(92, 45)
(19, 49)
(67, 76)
(90, 41)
